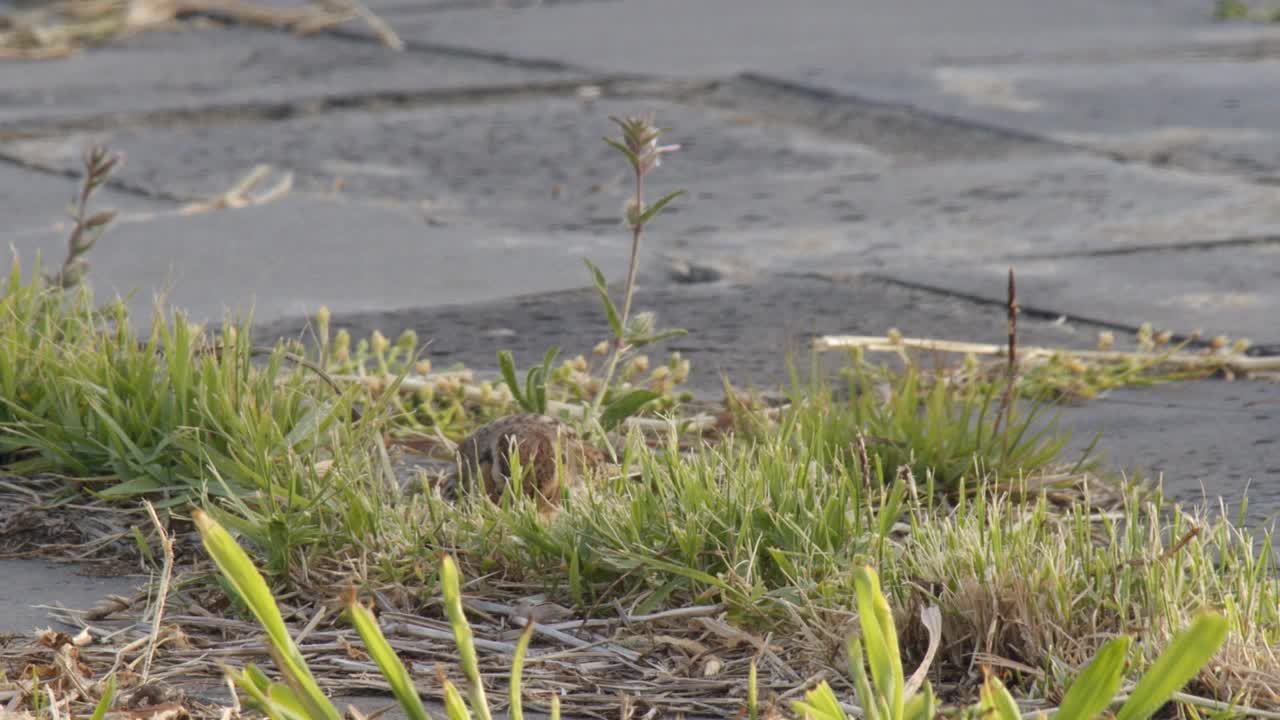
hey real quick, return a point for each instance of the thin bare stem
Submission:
(636, 230)
(1011, 368)
(166, 575)
(620, 342)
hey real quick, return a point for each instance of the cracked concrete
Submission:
(851, 166)
(1232, 290)
(201, 72)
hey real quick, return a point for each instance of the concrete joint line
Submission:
(613, 86)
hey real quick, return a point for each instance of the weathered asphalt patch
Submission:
(1210, 115)
(722, 37)
(199, 69)
(533, 163)
(1203, 440)
(31, 583)
(1232, 290)
(763, 194)
(290, 257)
(32, 201)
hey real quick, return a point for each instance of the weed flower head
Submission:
(640, 138)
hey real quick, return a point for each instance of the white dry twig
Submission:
(166, 575)
(1235, 362)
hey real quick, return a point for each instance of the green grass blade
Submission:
(454, 706)
(602, 289)
(238, 569)
(516, 710)
(507, 366)
(388, 663)
(1186, 654)
(880, 638)
(860, 683)
(820, 704)
(108, 696)
(452, 587)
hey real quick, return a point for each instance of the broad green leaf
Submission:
(380, 650)
(626, 406)
(1092, 690)
(1181, 660)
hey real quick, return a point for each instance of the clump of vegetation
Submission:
(1230, 9)
(887, 694)
(1241, 10)
(954, 489)
(58, 29)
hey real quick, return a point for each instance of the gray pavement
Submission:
(851, 166)
(32, 587)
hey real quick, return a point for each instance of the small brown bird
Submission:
(485, 462)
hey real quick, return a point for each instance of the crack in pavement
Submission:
(1256, 49)
(417, 46)
(1044, 313)
(1040, 313)
(112, 182)
(611, 86)
(881, 111)
(1154, 248)
(894, 112)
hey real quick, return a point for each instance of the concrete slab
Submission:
(1211, 112)
(1205, 440)
(290, 257)
(202, 68)
(37, 201)
(765, 193)
(723, 37)
(1232, 291)
(486, 160)
(31, 583)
